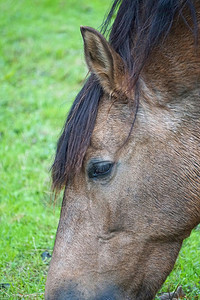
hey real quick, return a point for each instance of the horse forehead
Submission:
(111, 126)
(107, 133)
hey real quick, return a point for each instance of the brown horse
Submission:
(129, 155)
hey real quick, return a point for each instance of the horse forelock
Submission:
(139, 26)
(76, 134)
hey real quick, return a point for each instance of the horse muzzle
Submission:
(70, 292)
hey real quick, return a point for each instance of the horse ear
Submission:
(102, 60)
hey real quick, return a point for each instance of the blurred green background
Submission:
(42, 69)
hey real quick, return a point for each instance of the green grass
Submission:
(42, 69)
(187, 268)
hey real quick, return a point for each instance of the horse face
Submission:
(125, 215)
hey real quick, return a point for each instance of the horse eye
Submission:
(98, 170)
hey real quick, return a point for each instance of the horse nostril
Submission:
(66, 292)
(67, 295)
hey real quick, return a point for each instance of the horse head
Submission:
(135, 198)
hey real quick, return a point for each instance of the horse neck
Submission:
(173, 69)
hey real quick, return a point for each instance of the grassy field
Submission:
(42, 68)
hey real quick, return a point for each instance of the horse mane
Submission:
(139, 26)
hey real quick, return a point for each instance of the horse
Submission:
(128, 157)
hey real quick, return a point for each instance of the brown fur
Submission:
(126, 231)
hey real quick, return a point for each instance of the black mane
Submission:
(141, 23)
